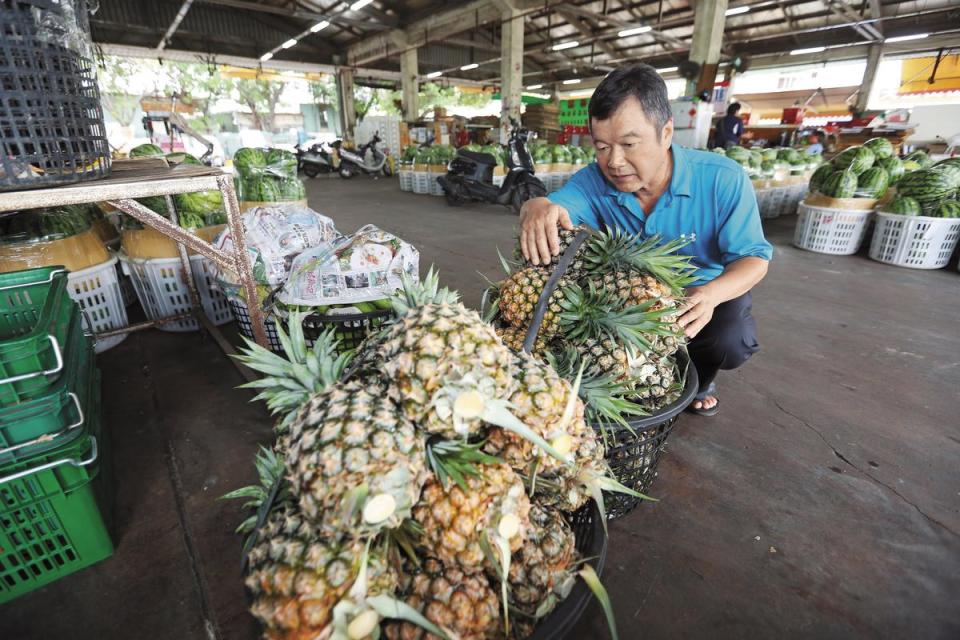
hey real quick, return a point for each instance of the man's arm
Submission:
(737, 278)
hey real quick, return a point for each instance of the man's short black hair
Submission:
(640, 81)
(733, 109)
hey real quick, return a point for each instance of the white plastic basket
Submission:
(766, 203)
(96, 290)
(834, 231)
(421, 182)
(435, 188)
(797, 193)
(162, 291)
(406, 180)
(918, 242)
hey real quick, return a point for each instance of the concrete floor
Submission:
(823, 501)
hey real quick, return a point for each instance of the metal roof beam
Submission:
(310, 16)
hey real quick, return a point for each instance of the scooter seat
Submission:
(476, 156)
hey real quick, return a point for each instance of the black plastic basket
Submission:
(351, 329)
(633, 454)
(591, 544)
(51, 120)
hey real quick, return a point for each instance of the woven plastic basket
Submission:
(421, 182)
(97, 291)
(51, 122)
(406, 180)
(833, 231)
(917, 242)
(163, 292)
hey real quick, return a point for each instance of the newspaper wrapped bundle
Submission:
(363, 267)
(275, 235)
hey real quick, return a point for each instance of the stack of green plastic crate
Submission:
(53, 481)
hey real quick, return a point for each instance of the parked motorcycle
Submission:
(469, 176)
(320, 157)
(369, 159)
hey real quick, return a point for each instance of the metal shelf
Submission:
(142, 178)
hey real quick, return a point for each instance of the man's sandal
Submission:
(709, 391)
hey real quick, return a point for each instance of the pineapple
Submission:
(513, 338)
(656, 379)
(607, 252)
(460, 519)
(542, 572)
(549, 406)
(297, 576)
(566, 237)
(436, 343)
(456, 601)
(354, 460)
(519, 295)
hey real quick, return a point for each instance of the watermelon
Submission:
(816, 180)
(872, 183)
(904, 205)
(146, 151)
(768, 167)
(756, 159)
(893, 166)
(769, 155)
(856, 159)
(929, 187)
(949, 209)
(911, 165)
(840, 184)
(921, 158)
(951, 161)
(738, 153)
(952, 171)
(880, 147)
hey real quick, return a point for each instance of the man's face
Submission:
(631, 153)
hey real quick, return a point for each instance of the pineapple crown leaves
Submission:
(417, 294)
(490, 301)
(592, 581)
(615, 248)
(270, 471)
(604, 396)
(452, 460)
(290, 381)
(597, 313)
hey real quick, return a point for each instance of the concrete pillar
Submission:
(410, 85)
(511, 69)
(874, 56)
(348, 110)
(708, 23)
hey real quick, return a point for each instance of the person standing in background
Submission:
(730, 127)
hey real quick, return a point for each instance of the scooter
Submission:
(318, 158)
(356, 162)
(470, 175)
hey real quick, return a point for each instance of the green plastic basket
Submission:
(35, 316)
(52, 525)
(56, 417)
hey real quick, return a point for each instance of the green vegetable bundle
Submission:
(267, 175)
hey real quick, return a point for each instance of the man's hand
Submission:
(696, 311)
(539, 239)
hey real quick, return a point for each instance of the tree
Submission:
(261, 97)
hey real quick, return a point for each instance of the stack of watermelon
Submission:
(929, 192)
(863, 171)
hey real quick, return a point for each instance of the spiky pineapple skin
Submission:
(431, 345)
(347, 437)
(296, 576)
(544, 560)
(513, 338)
(565, 489)
(519, 294)
(455, 520)
(451, 599)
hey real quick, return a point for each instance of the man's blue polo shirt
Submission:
(710, 201)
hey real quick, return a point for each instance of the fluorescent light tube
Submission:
(435, 74)
(535, 86)
(633, 32)
(289, 43)
(573, 81)
(467, 67)
(735, 11)
(916, 36)
(565, 45)
(320, 26)
(359, 4)
(800, 52)
(266, 56)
